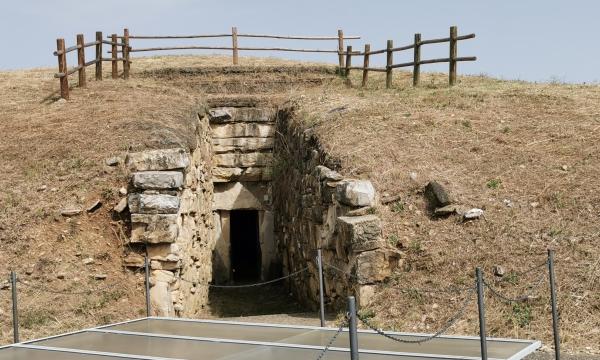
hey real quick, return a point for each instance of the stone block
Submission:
(223, 174)
(375, 266)
(239, 195)
(436, 195)
(325, 173)
(153, 204)
(243, 114)
(237, 130)
(164, 159)
(356, 193)
(243, 144)
(153, 229)
(157, 180)
(243, 159)
(160, 300)
(359, 233)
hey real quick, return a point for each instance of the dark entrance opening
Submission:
(245, 246)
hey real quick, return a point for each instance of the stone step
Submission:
(232, 160)
(244, 114)
(224, 131)
(242, 144)
(224, 174)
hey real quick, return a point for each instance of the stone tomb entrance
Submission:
(245, 246)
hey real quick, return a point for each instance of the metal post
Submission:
(481, 308)
(15, 312)
(352, 328)
(321, 289)
(147, 276)
(554, 306)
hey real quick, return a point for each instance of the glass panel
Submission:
(34, 354)
(445, 346)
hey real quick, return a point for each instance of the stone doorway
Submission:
(245, 252)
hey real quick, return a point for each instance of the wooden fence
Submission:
(122, 45)
(453, 59)
(64, 72)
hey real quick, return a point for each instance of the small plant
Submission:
(35, 318)
(554, 232)
(512, 278)
(393, 240)
(366, 313)
(521, 314)
(467, 124)
(398, 207)
(415, 295)
(493, 184)
(372, 210)
(415, 245)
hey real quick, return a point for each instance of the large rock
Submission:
(242, 130)
(375, 266)
(160, 299)
(157, 180)
(356, 193)
(360, 233)
(326, 173)
(243, 160)
(153, 229)
(223, 174)
(242, 144)
(153, 204)
(164, 159)
(436, 195)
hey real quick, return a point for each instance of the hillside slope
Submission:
(527, 154)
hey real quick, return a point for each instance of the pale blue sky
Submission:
(533, 40)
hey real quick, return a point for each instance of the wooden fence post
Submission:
(125, 51)
(366, 65)
(389, 63)
(348, 64)
(81, 60)
(62, 68)
(99, 55)
(417, 60)
(234, 42)
(341, 50)
(114, 53)
(453, 55)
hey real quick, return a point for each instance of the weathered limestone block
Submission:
(242, 130)
(163, 252)
(244, 114)
(359, 233)
(222, 174)
(160, 299)
(134, 260)
(189, 202)
(326, 173)
(153, 204)
(164, 159)
(157, 180)
(243, 159)
(376, 265)
(356, 193)
(242, 144)
(366, 293)
(238, 195)
(153, 229)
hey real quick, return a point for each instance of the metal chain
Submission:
(453, 320)
(450, 290)
(521, 298)
(528, 271)
(332, 340)
(63, 292)
(252, 285)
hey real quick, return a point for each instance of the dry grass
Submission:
(489, 142)
(486, 140)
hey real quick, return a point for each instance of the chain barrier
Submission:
(252, 285)
(520, 298)
(528, 271)
(451, 322)
(333, 338)
(449, 290)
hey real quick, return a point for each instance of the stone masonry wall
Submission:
(316, 207)
(171, 214)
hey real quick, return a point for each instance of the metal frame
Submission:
(533, 345)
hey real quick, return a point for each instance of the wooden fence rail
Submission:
(121, 45)
(417, 44)
(64, 71)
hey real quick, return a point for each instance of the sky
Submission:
(533, 40)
